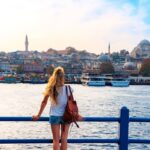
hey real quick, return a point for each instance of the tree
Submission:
(70, 50)
(106, 67)
(50, 69)
(145, 68)
(20, 69)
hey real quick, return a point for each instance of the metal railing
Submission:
(122, 141)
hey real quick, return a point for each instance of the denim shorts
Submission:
(56, 120)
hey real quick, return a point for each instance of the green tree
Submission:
(50, 69)
(145, 68)
(106, 67)
(20, 69)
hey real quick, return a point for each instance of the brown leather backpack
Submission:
(71, 113)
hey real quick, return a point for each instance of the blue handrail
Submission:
(86, 119)
(122, 142)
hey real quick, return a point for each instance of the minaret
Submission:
(109, 49)
(26, 43)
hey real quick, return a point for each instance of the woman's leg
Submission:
(64, 136)
(56, 136)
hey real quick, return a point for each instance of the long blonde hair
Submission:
(56, 80)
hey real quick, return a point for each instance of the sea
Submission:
(25, 99)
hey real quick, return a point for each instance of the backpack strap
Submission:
(75, 122)
(66, 90)
(71, 95)
(69, 88)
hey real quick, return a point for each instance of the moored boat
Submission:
(2, 79)
(120, 82)
(117, 81)
(92, 80)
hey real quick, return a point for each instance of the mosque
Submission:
(105, 57)
(142, 50)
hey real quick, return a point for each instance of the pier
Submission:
(123, 141)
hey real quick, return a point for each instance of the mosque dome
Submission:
(129, 66)
(141, 50)
(74, 56)
(103, 58)
(144, 42)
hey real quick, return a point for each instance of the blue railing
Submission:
(122, 141)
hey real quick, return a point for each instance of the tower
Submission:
(26, 43)
(109, 49)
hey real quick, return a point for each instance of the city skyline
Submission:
(89, 25)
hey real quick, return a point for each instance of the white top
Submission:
(59, 109)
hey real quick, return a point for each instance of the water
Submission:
(25, 99)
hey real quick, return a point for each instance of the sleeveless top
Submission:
(59, 109)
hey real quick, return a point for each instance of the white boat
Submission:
(92, 80)
(117, 80)
(120, 82)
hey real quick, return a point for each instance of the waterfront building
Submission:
(15, 61)
(14, 67)
(5, 66)
(118, 67)
(33, 67)
(28, 61)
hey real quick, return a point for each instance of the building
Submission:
(33, 68)
(5, 66)
(142, 50)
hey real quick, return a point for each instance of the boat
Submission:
(92, 80)
(37, 81)
(120, 82)
(2, 79)
(117, 81)
(11, 79)
(34, 80)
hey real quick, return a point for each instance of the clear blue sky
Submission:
(83, 24)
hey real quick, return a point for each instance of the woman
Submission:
(56, 90)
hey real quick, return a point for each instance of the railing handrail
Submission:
(123, 120)
(86, 119)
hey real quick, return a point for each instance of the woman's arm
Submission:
(43, 104)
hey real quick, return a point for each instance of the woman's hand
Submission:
(35, 117)
(43, 104)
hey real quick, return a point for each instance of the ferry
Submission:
(120, 82)
(92, 80)
(117, 81)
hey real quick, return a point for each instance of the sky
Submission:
(83, 24)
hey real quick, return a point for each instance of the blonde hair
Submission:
(54, 81)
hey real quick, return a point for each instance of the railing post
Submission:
(124, 127)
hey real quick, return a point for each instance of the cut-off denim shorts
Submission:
(56, 120)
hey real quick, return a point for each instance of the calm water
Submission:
(25, 99)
